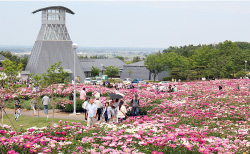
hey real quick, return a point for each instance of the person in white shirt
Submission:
(162, 88)
(84, 106)
(148, 88)
(91, 111)
(154, 87)
(175, 89)
(98, 104)
(97, 95)
(122, 112)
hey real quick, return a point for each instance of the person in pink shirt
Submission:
(83, 95)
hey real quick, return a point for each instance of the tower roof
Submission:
(54, 7)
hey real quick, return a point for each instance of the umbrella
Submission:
(115, 96)
(111, 94)
(118, 96)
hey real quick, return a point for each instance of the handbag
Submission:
(125, 115)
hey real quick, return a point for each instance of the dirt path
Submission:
(59, 115)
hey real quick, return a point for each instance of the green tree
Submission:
(120, 57)
(95, 71)
(154, 64)
(136, 59)
(55, 75)
(14, 58)
(37, 80)
(11, 69)
(176, 64)
(111, 71)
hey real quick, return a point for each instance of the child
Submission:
(18, 113)
(17, 104)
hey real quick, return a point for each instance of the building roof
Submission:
(88, 63)
(139, 63)
(54, 7)
(136, 72)
(46, 53)
(2, 57)
(25, 72)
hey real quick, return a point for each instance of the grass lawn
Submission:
(28, 122)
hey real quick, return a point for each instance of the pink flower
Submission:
(12, 133)
(155, 152)
(173, 145)
(12, 152)
(28, 145)
(127, 150)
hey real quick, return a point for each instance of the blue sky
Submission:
(132, 24)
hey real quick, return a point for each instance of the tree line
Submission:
(16, 59)
(222, 60)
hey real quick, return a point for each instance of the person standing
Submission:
(135, 105)
(238, 87)
(33, 106)
(83, 94)
(122, 112)
(91, 111)
(98, 104)
(107, 111)
(220, 87)
(115, 110)
(97, 94)
(45, 101)
(71, 96)
(84, 106)
(175, 88)
(17, 105)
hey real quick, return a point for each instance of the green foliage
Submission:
(14, 58)
(82, 57)
(120, 57)
(155, 64)
(89, 93)
(36, 79)
(240, 74)
(221, 60)
(167, 78)
(95, 71)
(97, 57)
(111, 71)
(105, 94)
(70, 107)
(55, 74)
(11, 69)
(136, 59)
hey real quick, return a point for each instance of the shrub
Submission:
(25, 97)
(70, 106)
(167, 78)
(105, 94)
(89, 93)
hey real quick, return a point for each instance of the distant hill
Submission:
(18, 49)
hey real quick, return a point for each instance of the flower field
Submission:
(197, 119)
